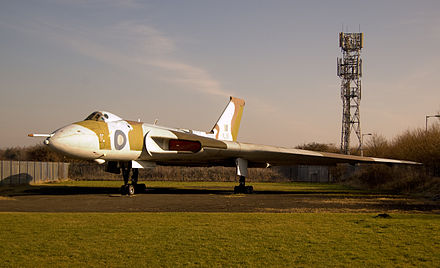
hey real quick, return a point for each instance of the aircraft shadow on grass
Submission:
(30, 189)
(301, 198)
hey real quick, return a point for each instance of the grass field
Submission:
(219, 239)
(203, 239)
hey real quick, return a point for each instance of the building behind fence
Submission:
(30, 172)
(303, 173)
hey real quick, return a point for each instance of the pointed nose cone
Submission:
(75, 141)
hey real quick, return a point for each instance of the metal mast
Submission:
(349, 69)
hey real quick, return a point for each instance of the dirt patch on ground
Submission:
(6, 198)
(104, 199)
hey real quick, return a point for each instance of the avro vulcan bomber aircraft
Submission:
(125, 146)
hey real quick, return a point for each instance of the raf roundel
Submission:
(120, 140)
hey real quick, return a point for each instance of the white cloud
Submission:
(196, 78)
(134, 46)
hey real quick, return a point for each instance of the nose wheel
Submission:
(127, 189)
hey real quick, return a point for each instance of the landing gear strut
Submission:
(242, 165)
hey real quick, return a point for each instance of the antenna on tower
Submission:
(349, 69)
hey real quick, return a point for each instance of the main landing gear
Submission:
(242, 165)
(134, 187)
(242, 188)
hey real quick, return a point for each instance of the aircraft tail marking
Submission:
(228, 124)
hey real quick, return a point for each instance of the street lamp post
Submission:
(362, 145)
(426, 120)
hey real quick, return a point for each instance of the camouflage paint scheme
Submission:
(106, 137)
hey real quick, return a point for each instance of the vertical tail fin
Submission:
(228, 124)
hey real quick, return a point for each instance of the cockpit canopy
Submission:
(103, 116)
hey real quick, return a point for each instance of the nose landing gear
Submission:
(127, 189)
(134, 187)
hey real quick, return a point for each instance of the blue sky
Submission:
(178, 61)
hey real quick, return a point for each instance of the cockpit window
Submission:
(103, 116)
(97, 116)
(91, 116)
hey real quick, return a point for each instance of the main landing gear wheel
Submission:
(243, 189)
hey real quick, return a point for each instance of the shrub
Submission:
(402, 179)
(322, 147)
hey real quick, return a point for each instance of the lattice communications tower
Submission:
(350, 71)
